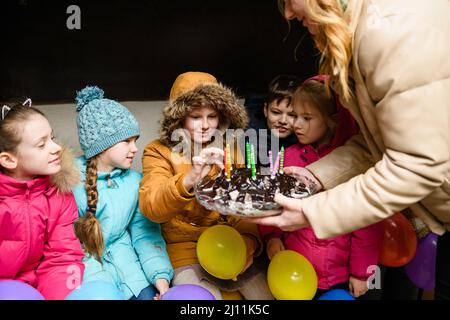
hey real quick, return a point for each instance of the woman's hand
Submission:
(162, 285)
(202, 164)
(305, 176)
(357, 287)
(291, 217)
(274, 245)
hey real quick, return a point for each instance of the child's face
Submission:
(37, 154)
(277, 115)
(309, 124)
(120, 155)
(201, 123)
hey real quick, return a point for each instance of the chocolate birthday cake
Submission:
(243, 195)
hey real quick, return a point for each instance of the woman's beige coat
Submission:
(401, 74)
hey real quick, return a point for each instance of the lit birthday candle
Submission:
(282, 160)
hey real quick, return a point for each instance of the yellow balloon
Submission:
(222, 252)
(291, 276)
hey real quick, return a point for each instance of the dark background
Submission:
(135, 49)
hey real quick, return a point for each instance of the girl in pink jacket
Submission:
(321, 124)
(37, 210)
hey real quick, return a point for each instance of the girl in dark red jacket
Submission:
(321, 124)
(38, 245)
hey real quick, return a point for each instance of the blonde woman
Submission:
(388, 60)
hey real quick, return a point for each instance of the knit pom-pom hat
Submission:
(102, 122)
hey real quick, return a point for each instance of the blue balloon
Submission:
(96, 290)
(337, 294)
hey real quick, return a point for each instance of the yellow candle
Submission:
(228, 167)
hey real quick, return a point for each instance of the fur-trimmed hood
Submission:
(66, 179)
(69, 176)
(232, 114)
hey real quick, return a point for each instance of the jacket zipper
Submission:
(120, 276)
(110, 182)
(27, 214)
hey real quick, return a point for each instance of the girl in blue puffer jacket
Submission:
(122, 246)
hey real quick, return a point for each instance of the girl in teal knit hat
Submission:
(122, 247)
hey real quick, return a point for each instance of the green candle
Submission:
(247, 151)
(253, 162)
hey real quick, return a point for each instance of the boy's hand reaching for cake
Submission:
(212, 156)
(202, 164)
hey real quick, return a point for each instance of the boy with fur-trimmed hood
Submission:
(199, 110)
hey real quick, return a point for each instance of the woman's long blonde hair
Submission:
(87, 228)
(333, 39)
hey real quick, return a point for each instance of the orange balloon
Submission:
(399, 241)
